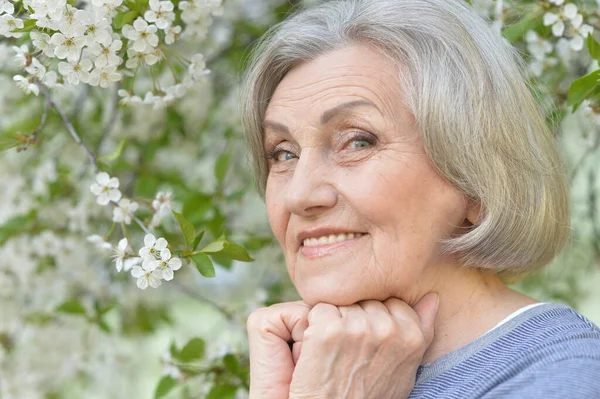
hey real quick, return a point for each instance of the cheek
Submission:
(276, 211)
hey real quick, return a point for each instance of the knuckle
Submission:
(413, 339)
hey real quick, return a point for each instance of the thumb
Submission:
(427, 309)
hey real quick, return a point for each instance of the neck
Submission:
(472, 302)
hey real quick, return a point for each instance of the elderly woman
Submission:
(408, 174)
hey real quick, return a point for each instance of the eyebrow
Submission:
(326, 116)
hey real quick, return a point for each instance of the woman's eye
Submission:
(359, 143)
(283, 155)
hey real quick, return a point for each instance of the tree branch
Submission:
(68, 124)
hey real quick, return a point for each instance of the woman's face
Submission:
(351, 196)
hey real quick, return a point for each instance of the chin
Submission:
(337, 295)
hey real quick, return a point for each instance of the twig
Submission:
(34, 134)
(141, 224)
(230, 316)
(68, 124)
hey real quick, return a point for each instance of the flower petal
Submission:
(142, 283)
(161, 243)
(137, 272)
(175, 263)
(167, 274)
(149, 240)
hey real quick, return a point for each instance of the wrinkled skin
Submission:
(345, 154)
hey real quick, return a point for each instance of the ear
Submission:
(473, 211)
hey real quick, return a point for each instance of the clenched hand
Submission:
(371, 349)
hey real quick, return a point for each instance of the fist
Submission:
(270, 332)
(367, 350)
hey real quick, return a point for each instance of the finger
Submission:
(427, 309)
(296, 351)
(323, 313)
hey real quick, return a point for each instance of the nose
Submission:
(310, 191)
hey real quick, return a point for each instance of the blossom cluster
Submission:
(73, 45)
(568, 19)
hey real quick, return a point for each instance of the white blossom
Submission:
(98, 29)
(36, 69)
(47, 13)
(197, 68)
(161, 13)
(568, 13)
(73, 22)
(26, 84)
(172, 34)
(162, 204)
(52, 80)
(8, 23)
(42, 42)
(125, 210)
(167, 264)
(142, 36)
(128, 98)
(124, 256)
(6, 7)
(106, 7)
(152, 247)
(76, 71)
(99, 242)
(106, 55)
(147, 275)
(537, 46)
(68, 47)
(21, 55)
(106, 188)
(104, 77)
(578, 40)
(135, 58)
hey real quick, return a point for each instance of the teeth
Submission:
(329, 239)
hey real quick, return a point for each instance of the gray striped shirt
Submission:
(548, 352)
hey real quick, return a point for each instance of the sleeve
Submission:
(574, 378)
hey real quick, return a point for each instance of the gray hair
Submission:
(481, 127)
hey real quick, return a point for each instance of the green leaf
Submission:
(72, 306)
(215, 246)
(222, 392)
(516, 31)
(121, 19)
(193, 350)
(165, 385)
(236, 252)
(173, 349)
(221, 167)
(197, 240)
(187, 228)
(581, 88)
(114, 154)
(102, 324)
(232, 364)
(204, 265)
(593, 47)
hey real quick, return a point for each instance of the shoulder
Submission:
(574, 377)
(553, 353)
(539, 351)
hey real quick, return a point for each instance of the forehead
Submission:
(350, 74)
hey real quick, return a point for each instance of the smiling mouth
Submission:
(330, 239)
